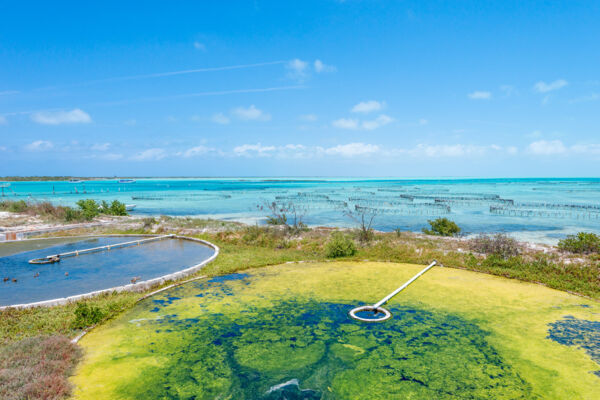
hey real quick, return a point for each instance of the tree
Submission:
(364, 218)
(442, 227)
(287, 214)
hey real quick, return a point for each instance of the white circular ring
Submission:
(386, 314)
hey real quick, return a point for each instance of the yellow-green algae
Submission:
(283, 332)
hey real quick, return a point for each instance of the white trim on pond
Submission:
(132, 287)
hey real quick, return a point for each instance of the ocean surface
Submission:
(537, 210)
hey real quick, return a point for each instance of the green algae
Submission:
(247, 353)
(284, 332)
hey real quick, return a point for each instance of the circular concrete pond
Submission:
(24, 283)
(283, 332)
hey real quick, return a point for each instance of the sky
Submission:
(311, 88)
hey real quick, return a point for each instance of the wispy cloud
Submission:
(480, 95)
(256, 150)
(585, 99)
(199, 46)
(199, 94)
(369, 125)
(297, 70)
(377, 122)
(195, 151)
(353, 149)
(250, 113)
(8, 92)
(220, 118)
(75, 116)
(368, 106)
(153, 154)
(320, 67)
(346, 123)
(308, 117)
(39, 145)
(544, 87)
(3, 120)
(544, 147)
(100, 146)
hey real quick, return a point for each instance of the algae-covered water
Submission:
(284, 333)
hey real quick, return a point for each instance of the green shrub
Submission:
(117, 208)
(72, 215)
(339, 245)
(16, 206)
(89, 209)
(582, 243)
(86, 315)
(501, 245)
(442, 227)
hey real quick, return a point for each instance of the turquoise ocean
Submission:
(537, 210)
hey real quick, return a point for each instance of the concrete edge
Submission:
(132, 287)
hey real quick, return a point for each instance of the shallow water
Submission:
(90, 272)
(470, 201)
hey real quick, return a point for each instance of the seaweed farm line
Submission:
(542, 210)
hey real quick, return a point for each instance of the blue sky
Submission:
(275, 88)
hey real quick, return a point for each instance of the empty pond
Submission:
(22, 282)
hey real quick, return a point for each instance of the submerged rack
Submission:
(53, 258)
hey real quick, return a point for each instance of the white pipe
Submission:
(401, 288)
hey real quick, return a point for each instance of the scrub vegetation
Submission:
(442, 227)
(582, 243)
(86, 210)
(244, 247)
(37, 368)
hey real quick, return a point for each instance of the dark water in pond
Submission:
(90, 272)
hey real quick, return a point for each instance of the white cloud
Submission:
(377, 122)
(154, 154)
(320, 67)
(75, 116)
(195, 151)
(351, 123)
(199, 46)
(543, 87)
(297, 69)
(512, 150)
(480, 95)
(308, 117)
(220, 118)
(7, 92)
(353, 149)
(346, 123)
(251, 113)
(100, 146)
(39, 145)
(3, 148)
(130, 122)
(544, 147)
(3, 120)
(423, 121)
(368, 106)
(250, 150)
(454, 150)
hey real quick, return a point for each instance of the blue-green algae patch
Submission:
(572, 331)
(284, 333)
